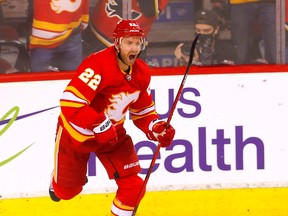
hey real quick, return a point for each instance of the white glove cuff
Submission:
(152, 123)
(104, 126)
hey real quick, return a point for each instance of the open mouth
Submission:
(132, 57)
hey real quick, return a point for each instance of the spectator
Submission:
(93, 110)
(209, 49)
(55, 42)
(107, 13)
(222, 9)
(244, 14)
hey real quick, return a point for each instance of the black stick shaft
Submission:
(168, 122)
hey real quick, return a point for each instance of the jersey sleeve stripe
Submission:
(134, 117)
(76, 93)
(143, 111)
(69, 96)
(71, 104)
(79, 134)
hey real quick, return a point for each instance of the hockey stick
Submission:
(168, 121)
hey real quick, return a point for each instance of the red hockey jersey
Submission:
(107, 13)
(100, 87)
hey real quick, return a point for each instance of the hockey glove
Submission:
(105, 133)
(162, 132)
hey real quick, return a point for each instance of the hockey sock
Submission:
(118, 209)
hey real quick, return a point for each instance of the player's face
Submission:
(130, 48)
(204, 29)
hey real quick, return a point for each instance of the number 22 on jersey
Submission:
(90, 78)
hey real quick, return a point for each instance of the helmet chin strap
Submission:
(139, 54)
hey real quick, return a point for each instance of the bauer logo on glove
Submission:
(105, 126)
(162, 132)
(105, 132)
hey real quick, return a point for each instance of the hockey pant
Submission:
(121, 164)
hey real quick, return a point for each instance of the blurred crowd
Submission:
(55, 35)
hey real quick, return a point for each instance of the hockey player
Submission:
(93, 108)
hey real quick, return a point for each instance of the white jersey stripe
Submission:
(120, 212)
(143, 112)
(71, 97)
(46, 34)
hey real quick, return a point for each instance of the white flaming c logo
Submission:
(58, 6)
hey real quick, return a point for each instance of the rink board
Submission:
(197, 175)
(225, 202)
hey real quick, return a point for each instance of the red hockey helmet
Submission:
(127, 28)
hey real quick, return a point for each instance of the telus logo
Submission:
(213, 146)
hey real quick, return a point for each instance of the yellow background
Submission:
(224, 202)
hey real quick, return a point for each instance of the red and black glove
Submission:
(105, 133)
(162, 132)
